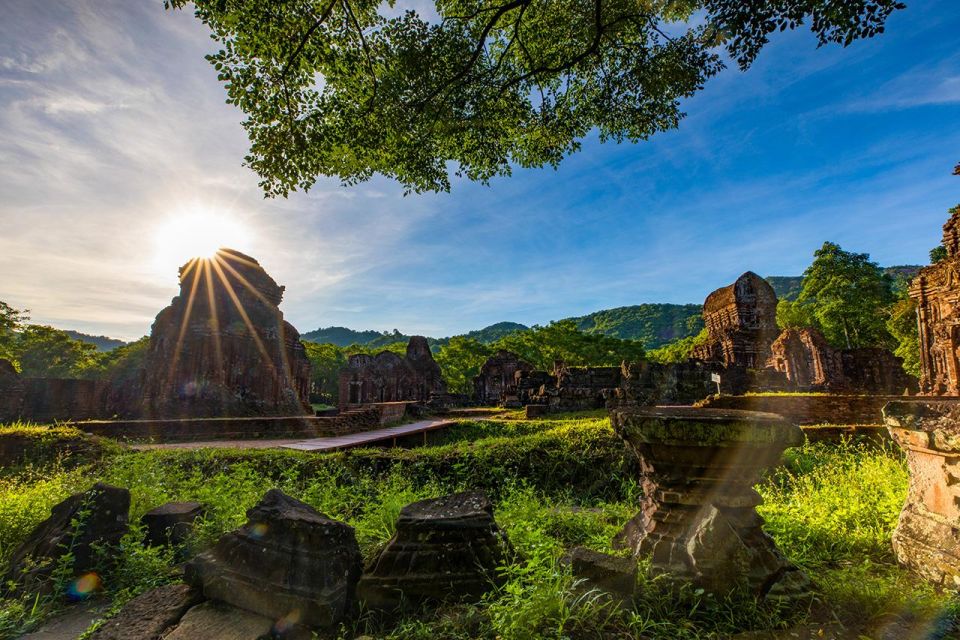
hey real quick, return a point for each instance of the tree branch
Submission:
(478, 50)
(306, 37)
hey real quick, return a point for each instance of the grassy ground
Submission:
(555, 484)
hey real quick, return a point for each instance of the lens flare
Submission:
(258, 530)
(287, 623)
(84, 586)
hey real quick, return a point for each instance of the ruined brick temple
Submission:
(387, 377)
(809, 363)
(936, 290)
(752, 354)
(741, 322)
(222, 347)
(497, 381)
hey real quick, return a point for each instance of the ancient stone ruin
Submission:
(222, 347)
(496, 384)
(386, 377)
(150, 614)
(810, 364)
(650, 383)
(926, 538)
(49, 399)
(171, 523)
(745, 346)
(578, 388)
(741, 321)
(80, 525)
(287, 560)
(936, 290)
(698, 521)
(445, 549)
(613, 576)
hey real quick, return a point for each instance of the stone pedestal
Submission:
(927, 537)
(288, 562)
(171, 523)
(698, 521)
(445, 549)
(87, 525)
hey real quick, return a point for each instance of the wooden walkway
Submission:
(370, 437)
(386, 435)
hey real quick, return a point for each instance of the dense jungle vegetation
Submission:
(555, 484)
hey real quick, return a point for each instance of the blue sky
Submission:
(112, 124)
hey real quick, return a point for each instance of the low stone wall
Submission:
(49, 399)
(391, 411)
(810, 409)
(235, 428)
(249, 428)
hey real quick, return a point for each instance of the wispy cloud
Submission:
(110, 120)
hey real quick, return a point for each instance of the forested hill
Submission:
(653, 324)
(343, 337)
(102, 343)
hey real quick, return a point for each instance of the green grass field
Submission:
(555, 484)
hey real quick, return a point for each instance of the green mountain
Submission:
(342, 336)
(652, 324)
(102, 343)
(786, 287)
(495, 331)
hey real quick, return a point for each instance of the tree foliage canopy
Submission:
(10, 322)
(902, 325)
(45, 352)
(561, 340)
(846, 296)
(344, 88)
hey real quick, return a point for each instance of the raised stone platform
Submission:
(253, 428)
(810, 408)
(698, 521)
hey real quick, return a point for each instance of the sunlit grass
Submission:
(555, 483)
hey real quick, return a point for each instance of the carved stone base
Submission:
(445, 549)
(698, 521)
(288, 562)
(927, 537)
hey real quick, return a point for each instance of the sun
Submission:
(196, 234)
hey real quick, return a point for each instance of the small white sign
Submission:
(715, 377)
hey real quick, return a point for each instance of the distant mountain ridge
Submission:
(344, 337)
(653, 324)
(788, 287)
(102, 343)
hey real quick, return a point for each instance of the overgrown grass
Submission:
(555, 484)
(42, 445)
